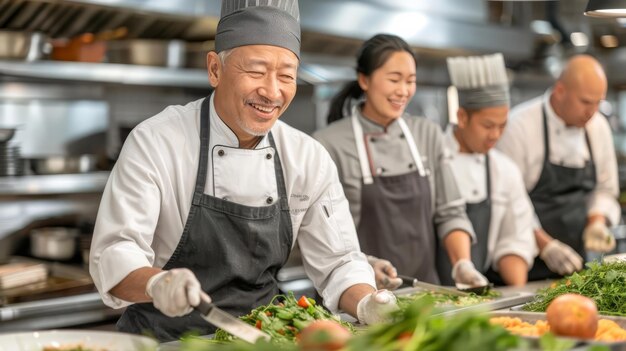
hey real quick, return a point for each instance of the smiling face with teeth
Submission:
(253, 87)
(389, 88)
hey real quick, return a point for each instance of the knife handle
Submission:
(204, 307)
(406, 280)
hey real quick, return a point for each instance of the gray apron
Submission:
(560, 200)
(396, 214)
(480, 216)
(234, 250)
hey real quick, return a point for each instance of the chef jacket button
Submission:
(269, 200)
(380, 170)
(475, 192)
(558, 131)
(220, 152)
(411, 165)
(268, 156)
(373, 140)
(402, 136)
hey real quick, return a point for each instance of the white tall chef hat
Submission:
(254, 22)
(480, 81)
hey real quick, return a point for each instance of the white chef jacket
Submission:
(512, 214)
(148, 196)
(523, 142)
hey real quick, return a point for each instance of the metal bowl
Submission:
(54, 243)
(29, 46)
(6, 134)
(64, 164)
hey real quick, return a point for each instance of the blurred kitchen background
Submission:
(77, 76)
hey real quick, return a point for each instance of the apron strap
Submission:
(360, 148)
(362, 152)
(280, 179)
(204, 151)
(546, 138)
(412, 146)
(487, 170)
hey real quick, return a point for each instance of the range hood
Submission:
(332, 30)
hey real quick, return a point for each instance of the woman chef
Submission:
(395, 169)
(210, 197)
(497, 203)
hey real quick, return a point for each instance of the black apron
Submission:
(234, 250)
(560, 200)
(396, 214)
(480, 216)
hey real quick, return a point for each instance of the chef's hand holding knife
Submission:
(597, 236)
(385, 273)
(175, 292)
(466, 275)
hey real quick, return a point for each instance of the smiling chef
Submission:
(207, 199)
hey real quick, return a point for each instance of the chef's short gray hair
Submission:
(223, 55)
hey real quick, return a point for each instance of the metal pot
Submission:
(55, 243)
(165, 53)
(29, 46)
(64, 164)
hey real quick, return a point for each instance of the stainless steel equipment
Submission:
(233, 325)
(64, 164)
(166, 53)
(414, 283)
(55, 243)
(29, 46)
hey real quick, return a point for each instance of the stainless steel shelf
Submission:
(107, 73)
(54, 184)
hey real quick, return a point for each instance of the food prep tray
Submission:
(63, 280)
(532, 317)
(506, 300)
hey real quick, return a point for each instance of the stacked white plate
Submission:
(17, 274)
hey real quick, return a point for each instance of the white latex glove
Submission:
(385, 273)
(465, 275)
(598, 238)
(376, 307)
(174, 292)
(561, 258)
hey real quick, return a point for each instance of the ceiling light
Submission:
(579, 39)
(606, 8)
(609, 41)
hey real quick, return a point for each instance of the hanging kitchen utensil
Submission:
(414, 282)
(233, 325)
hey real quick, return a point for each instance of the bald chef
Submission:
(497, 203)
(565, 151)
(207, 199)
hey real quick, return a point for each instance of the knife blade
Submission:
(233, 325)
(431, 287)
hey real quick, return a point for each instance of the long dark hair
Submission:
(373, 54)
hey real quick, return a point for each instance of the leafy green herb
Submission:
(446, 301)
(604, 283)
(284, 317)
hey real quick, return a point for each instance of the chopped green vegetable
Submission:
(445, 300)
(604, 283)
(284, 317)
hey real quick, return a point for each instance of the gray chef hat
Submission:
(480, 81)
(259, 22)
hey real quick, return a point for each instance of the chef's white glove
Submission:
(466, 275)
(598, 237)
(561, 258)
(376, 307)
(385, 273)
(174, 292)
